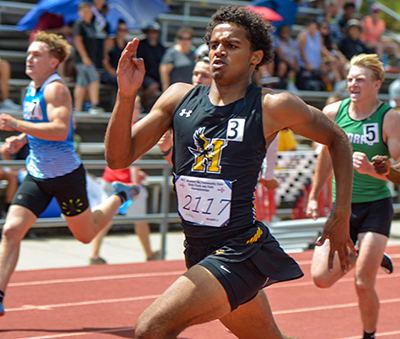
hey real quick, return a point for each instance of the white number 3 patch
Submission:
(235, 130)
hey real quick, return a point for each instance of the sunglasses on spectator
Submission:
(122, 29)
(185, 38)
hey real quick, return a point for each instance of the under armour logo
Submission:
(185, 113)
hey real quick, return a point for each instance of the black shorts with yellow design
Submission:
(244, 263)
(69, 190)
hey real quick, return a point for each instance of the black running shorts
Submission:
(375, 216)
(69, 190)
(244, 263)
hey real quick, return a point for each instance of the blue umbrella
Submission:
(136, 13)
(68, 8)
(286, 8)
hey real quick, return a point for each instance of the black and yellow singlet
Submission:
(218, 152)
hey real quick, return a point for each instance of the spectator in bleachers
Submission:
(86, 46)
(5, 73)
(312, 75)
(54, 23)
(152, 51)
(333, 58)
(113, 48)
(373, 28)
(310, 46)
(350, 44)
(316, 4)
(101, 26)
(349, 10)
(178, 61)
(332, 17)
(286, 57)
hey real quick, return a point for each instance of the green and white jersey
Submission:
(365, 136)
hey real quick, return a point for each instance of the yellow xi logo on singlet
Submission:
(208, 151)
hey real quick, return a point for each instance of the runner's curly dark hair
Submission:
(258, 30)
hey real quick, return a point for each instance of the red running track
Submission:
(99, 302)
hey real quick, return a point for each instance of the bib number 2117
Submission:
(204, 201)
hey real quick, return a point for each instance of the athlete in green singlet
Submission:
(373, 128)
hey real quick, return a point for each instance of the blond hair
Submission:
(58, 46)
(370, 61)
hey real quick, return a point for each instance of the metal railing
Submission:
(164, 218)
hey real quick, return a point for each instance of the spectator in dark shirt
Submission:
(152, 51)
(113, 48)
(86, 51)
(351, 44)
(349, 9)
(102, 28)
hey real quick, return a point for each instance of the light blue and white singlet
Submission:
(47, 159)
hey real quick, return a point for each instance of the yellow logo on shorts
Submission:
(255, 237)
(72, 206)
(218, 252)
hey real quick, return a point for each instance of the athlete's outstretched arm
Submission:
(286, 110)
(125, 144)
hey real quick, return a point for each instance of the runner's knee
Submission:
(149, 330)
(150, 327)
(12, 233)
(322, 280)
(364, 285)
(83, 238)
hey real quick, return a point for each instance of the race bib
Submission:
(204, 201)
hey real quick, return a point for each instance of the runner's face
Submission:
(361, 83)
(39, 61)
(201, 74)
(230, 54)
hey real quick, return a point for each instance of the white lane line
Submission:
(172, 273)
(343, 280)
(99, 278)
(80, 303)
(331, 307)
(76, 334)
(308, 262)
(119, 300)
